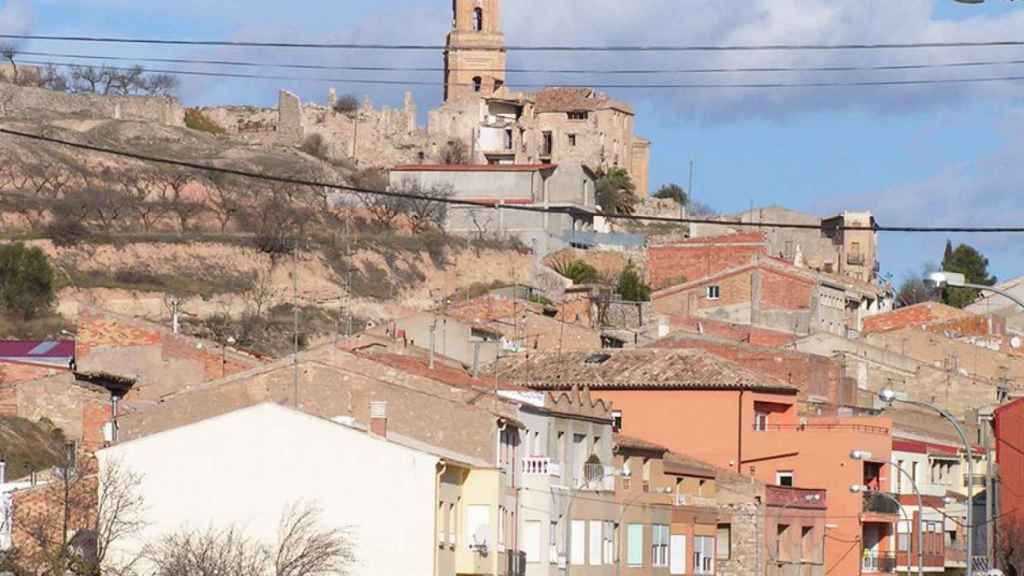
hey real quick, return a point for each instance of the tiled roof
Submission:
(637, 444)
(916, 315)
(570, 99)
(680, 464)
(639, 369)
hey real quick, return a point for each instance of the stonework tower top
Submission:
(475, 59)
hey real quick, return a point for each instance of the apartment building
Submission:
(747, 422)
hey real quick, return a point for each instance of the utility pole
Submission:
(689, 192)
(295, 319)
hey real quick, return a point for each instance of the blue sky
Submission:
(921, 155)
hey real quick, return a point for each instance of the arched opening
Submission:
(477, 83)
(478, 19)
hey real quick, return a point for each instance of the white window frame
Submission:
(635, 533)
(595, 542)
(760, 421)
(785, 474)
(727, 542)
(703, 555)
(532, 540)
(714, 292)
(659, 545)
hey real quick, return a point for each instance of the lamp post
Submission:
(862, 455)
(889, 397)
(958, 280)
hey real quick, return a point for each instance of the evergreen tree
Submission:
(631, 287)
(973, 265)
(26, 281)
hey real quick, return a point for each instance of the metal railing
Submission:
(516, 563)
(878, 563)
(823, 426)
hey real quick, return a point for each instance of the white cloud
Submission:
(16, 17)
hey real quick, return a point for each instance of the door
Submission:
(677, 554)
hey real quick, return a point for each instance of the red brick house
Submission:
(697, 258)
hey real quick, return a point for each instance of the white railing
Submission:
(538, 466)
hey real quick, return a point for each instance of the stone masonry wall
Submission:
(20, 101)
(743, 498)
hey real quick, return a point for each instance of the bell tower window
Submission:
(478, 19)
(477, 83)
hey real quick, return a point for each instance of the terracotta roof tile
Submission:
(570, 99)
(640, 369)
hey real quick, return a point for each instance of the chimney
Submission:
(379, 418)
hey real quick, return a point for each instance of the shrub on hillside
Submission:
(578, 271)
(631, 287)
(347, 104)
(196, 120)
(26, 281)
(315, 146)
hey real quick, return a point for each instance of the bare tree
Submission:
(160, 85)
(210, 553)
(425, 207)
(262, 292)
(120, 81)
(455, 152)
(9, 52)
(304, 548)
(145, 196)
(173, 185)
(224, 197)
(72, 523)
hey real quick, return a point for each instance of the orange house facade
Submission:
(718, 412)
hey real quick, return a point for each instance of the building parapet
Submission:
(798, 498)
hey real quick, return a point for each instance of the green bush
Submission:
(631, 287)
(26, 281)
(196, 120)
(578, 271)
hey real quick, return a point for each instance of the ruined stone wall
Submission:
(24, 101)
(742, 498)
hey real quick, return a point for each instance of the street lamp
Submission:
(958, 280)
(889, 397)
(861, 489)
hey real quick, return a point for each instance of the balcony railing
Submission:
(537, 466)
(980, 564)
(878, 563)
(979, 480)
(877, 503)
(856, 259)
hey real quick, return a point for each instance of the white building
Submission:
(243, 469)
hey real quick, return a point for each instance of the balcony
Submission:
(516, 563)
(876, 503)
(538, 466)
(878, 563)
(856, 259)
(799, 498)
(979, 480)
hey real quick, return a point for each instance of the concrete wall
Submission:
(478, 185)
(18, 101)
(210, 475)
(452, 339)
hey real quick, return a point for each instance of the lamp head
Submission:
(887, 395)
(946, 278)
(860, 455)
(859, 489)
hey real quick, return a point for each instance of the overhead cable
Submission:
(491, 205)
(521, 48)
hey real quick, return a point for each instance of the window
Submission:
(714, 292)
(531, 540)
(659, 545)
(553, 542)
(703, 555)
(781, 534)
(760, 422)
(478, 19)
(578, 542)
(498, 84)
(635, 541)
(596, 542)
(902, 536)
(899, 476)
(477, 83)
(784, 478)
(548, 144)
(478, 525)
(677, 559)
(608, 543)
(810, 550)
(572, 140)
(501, 527)
(723, 542)
(579, 457)
(579, 115)
(616, 420)
(452, 525)
(442, 525)
(508, 139)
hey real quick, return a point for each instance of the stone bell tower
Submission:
(475, 58)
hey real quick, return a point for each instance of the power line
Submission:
(671, 86)
(478, 204)
(522, 48)
(613, 71)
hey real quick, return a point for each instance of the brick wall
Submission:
(80, 411)
(702, 257)
(428, 410)
(781, 291)
(917, 315)
(38, 514)
(734, 332)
